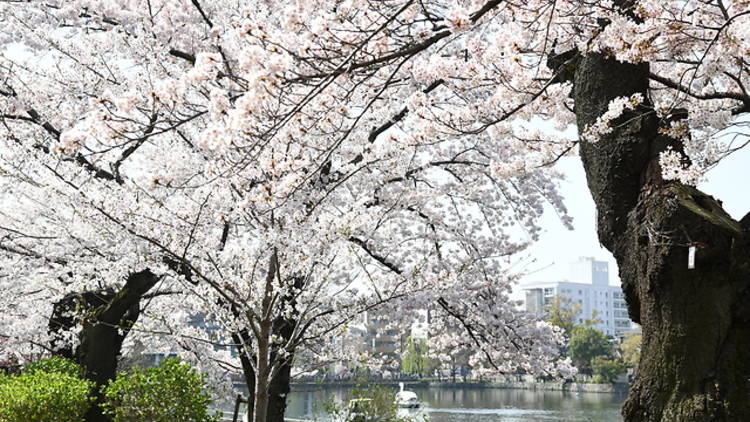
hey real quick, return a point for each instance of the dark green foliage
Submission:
(606, 369)
(171, 392)
(585, 344)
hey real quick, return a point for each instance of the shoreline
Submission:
(571, 387)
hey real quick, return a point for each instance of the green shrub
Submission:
(54, 364)
(39, 396)
(171, 392)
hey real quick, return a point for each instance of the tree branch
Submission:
(132, 148)
(79, 159)
(203, 14)
(382, 260)
(714, 96)
(405, 52)
(182, 55)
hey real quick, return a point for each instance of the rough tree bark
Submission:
(695, 358)
(107, 321)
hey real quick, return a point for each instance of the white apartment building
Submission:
(588, 286)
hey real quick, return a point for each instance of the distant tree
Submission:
(590, 322)
(606, 369)
(416, 359)
(631, 349)
(585, 344)
(563, 312)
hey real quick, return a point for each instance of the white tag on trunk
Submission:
(691, 257)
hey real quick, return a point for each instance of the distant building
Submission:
(373, 334)
(380, 338)
(588, 286)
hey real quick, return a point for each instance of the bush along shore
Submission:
(55, 389)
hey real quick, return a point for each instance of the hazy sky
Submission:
(559, 246)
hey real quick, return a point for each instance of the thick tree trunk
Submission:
(696, 344)
(108, 319)
(695, 357)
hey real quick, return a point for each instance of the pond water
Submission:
(444, 404)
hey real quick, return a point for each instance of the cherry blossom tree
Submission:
(675, 74)
(285, 167)
(211, 169)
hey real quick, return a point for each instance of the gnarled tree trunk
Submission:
(107, 320)
(695, 357)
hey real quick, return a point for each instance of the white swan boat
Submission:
(406, 399)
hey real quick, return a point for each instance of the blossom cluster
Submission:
(603, 124)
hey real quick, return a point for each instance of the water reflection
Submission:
(481, 405)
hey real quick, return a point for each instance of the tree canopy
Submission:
(631, 349)
(563, 312)
(585, 344)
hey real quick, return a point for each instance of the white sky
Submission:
(558, 246)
